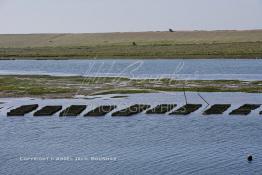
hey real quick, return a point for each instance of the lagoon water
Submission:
(142, 144)
(205, 69)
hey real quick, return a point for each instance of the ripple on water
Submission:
(142, 144)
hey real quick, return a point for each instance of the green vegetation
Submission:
(125, 91)
(11, 86)
(195, 44)
(67, 87)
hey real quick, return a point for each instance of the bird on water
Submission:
(249, 158)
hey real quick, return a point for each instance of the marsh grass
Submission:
(54, 87)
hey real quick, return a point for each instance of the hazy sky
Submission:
(85, 16)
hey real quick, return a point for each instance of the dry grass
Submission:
(195, 37)
(149, 44)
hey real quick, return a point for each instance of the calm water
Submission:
(142, 144)
(242, 69)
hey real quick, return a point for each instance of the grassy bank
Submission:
(67, 87)
(195, 44)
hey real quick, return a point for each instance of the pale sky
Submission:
(91, 16)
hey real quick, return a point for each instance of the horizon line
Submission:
(219, 30)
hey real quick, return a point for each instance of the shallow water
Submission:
(206, 69)
(142, 144)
